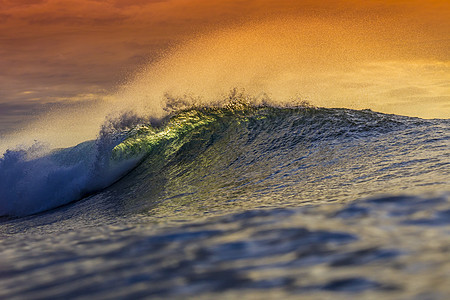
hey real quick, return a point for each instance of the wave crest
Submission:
(37, 179)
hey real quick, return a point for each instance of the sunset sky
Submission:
(58, 53)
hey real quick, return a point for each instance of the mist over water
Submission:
(332, 63)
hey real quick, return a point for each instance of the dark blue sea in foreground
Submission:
(233, 202)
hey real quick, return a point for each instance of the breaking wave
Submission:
(301, 144)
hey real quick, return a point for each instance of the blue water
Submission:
(238, 201)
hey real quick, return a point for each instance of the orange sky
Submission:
(79, 50)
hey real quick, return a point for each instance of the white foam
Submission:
(36, 179)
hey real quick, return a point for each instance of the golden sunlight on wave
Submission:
(356, 64)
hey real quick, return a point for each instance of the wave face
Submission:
(255, 200)
(274, 155)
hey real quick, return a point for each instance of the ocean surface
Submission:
(255, 202)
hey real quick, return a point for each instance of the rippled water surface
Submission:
(251, 202)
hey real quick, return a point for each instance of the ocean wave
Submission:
(250, 137)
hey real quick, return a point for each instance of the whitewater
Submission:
(305, 185)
